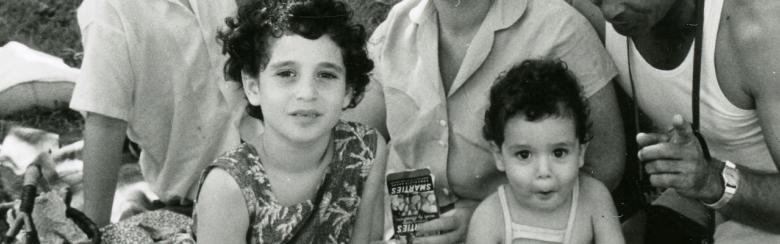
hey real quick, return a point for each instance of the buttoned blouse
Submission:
(429, 128)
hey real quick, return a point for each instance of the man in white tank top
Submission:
(739, 104)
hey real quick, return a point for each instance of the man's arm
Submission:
(756, 34)
(604, 159)
(103, 141)
(592, 13)
(579, 46)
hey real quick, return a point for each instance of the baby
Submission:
(537, 123)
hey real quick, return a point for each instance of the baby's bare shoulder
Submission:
(489, 209)
(487, 222)
(593, 194)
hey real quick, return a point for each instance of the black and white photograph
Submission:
(390, 121)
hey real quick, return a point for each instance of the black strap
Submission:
(696, 86)
(696, 89)
(695, 92)
(697, 63)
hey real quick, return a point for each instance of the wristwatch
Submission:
(730, 176)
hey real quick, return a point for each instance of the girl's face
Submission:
(541, 160)
(302, 89)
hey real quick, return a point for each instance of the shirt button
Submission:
(442, 143)
(443, 123)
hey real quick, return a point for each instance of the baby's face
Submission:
(541, 160)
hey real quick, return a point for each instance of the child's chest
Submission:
(581, 233)
(578, 225)
(290, 188)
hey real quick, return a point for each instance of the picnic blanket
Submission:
(29, 77)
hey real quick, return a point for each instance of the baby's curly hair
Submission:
(537, 89)
(246, 38)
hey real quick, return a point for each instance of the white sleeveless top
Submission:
(514, 231)
(731, 133)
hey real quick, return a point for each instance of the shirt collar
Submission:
(501, 15)
(422, 12)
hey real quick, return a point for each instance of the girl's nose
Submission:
(306, 89)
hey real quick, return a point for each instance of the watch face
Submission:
(730, 176)
(730, 179)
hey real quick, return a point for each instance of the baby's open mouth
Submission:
(545, 194)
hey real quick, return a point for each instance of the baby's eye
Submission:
(559, 153)
(523, 154)
(327, 75)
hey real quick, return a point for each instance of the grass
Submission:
(371, 12)
(46, 25)
(50, 26)
(59, 120)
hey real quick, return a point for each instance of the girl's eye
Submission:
(523, 154)
(559, 153)
(327, 75)
(285, 74)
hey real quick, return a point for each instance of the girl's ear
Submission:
(495, 150)
(347, 98)
(251, 87)
(583, 148)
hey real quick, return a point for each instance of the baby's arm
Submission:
(487, 224)
(604, 218)
(222, 213)
(370, 217)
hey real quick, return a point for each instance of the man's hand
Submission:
(452, 225)
(676, 160)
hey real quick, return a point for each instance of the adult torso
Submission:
(181, 112)
(662, 73)
(729, 121)
(442, 130)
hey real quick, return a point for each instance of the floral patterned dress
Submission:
(330, 216)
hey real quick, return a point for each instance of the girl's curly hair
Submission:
(246, 38)
(536, 89)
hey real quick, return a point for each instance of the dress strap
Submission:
(575, 196)
(507, 215)
(518, 231)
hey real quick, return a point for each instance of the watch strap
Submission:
(730, 175)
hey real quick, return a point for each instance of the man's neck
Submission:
(666, 45)
(679, 21)
(461, 16)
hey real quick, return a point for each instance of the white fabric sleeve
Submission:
(579, 46)
(105, 85)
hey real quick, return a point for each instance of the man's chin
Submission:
(627, 29)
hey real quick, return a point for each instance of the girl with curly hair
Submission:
(309, 177)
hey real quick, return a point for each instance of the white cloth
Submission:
(29, 77)
(731, 133)
(157, 65)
